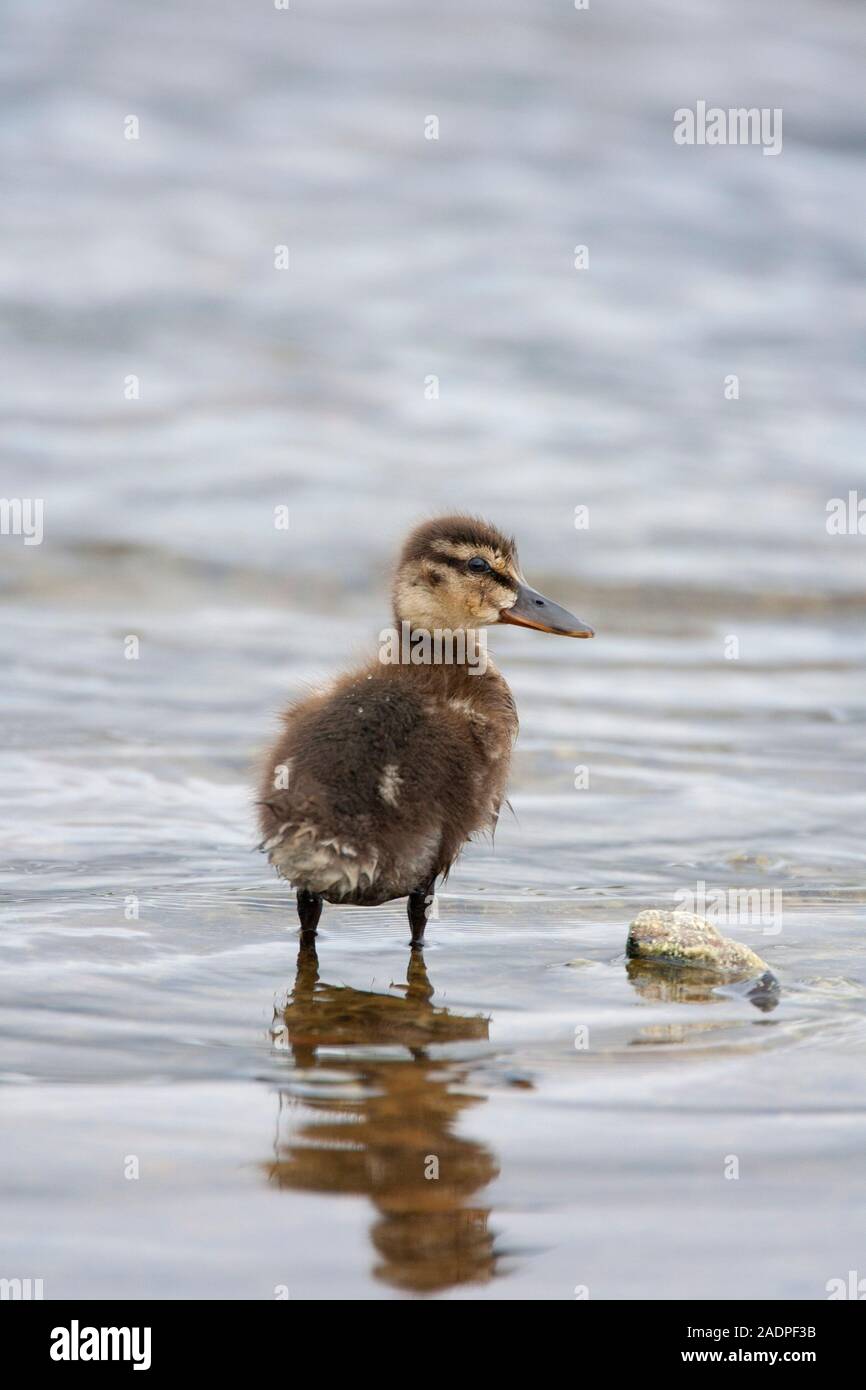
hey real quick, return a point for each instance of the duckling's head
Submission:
(459, 572)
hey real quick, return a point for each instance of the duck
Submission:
(377, 781)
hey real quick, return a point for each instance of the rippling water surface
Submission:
(284, 1111)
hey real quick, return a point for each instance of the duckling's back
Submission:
(375, 785)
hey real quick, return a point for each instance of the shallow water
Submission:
(284, 1111)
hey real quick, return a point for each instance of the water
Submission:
(283, 1113)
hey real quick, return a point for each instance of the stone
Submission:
(683, 938)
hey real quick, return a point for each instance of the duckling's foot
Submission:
(419, 903)
(309, 911)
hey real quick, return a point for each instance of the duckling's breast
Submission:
(389, 776)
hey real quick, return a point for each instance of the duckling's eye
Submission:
(477, 564)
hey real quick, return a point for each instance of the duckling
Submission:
(378, 781)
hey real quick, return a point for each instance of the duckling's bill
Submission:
(532, 609)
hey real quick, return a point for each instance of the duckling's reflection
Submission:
(395, 1130)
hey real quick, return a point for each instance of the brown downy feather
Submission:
(389, 773)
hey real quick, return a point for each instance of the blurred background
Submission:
(430, 346)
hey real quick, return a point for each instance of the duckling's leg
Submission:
(309, 911)
(419, 903)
